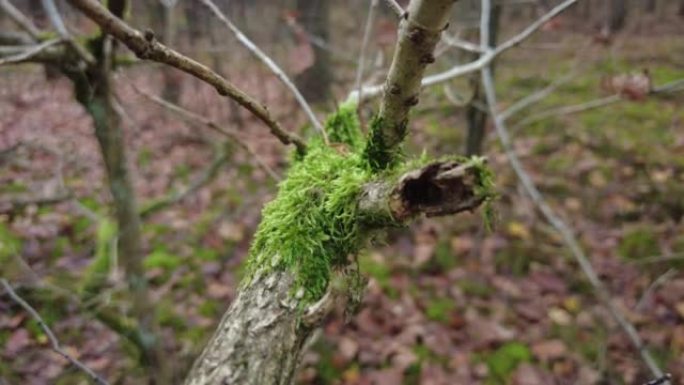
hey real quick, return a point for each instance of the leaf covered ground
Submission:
(447, 303)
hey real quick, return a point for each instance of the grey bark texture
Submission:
(419, 32)
(259, 339)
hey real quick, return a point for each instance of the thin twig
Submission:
(651, 288)
(457, 42)
(665, 379)
(50, 335)
(30, 52)
(535, 97)
(201, 120)
(58, 23)
(364, 46)
(20, 19)
(394, 6)
(485, 59)
(147, 47)
(555, 220)
(671, 87)
(247, 43)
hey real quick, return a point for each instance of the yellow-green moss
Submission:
(312, 226)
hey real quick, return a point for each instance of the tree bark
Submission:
(93, 89)
(261, 336)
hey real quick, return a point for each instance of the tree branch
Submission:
(201, 120)
(555, 220)
(244, 40)
(394, 6)
(482, 61)
(436, 189)
(50, 335)
(364, 46)
(20, 19)
(419, 33)
(147, 47)
(29, 52)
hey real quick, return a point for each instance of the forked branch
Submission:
(147, 47)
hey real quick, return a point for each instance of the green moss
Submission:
(343, 127)
(95, 276)
(439, 309)
(312, 226)
(504, 360)
(378, 155)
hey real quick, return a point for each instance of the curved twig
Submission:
(147, 47)
(244, 40)
(51, 336)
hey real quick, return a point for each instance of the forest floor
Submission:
(448, 302)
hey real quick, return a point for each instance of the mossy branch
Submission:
(419, 33)
(331, 198)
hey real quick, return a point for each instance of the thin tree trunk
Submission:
(171, 79)
(94, 91)
(617, 15)
(476, 110)
(316, 80)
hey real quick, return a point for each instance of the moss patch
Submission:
(312, 226)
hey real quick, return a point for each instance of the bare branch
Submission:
(94, 377)
(554, 219)
(147, 47)
(436, 189)
(665, 379)
(244, 40)
(535, 97)
(8, 205)
(29, 52)
(201, 120)
(364, 46)
(671, 87)
(58, 23)
(20, 19)
(455, 41)
(395, 7)
(484, 60)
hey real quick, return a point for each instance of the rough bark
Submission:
(259, 339)
(261, 336)
(419, 32)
